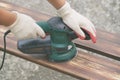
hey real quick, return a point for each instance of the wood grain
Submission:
(83, 66)
(107, 44)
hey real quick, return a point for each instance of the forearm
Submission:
(57, 3)
(6, 17)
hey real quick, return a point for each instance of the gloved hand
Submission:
(25, 27)
(76, 21)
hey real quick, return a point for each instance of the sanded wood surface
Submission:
(84, 65)
(108, 44)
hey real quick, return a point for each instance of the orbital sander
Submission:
(57, 45)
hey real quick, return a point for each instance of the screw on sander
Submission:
(57, 45)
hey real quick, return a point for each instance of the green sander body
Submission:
(58, 43)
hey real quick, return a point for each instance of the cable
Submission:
(3, 59)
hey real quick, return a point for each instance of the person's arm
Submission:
(57, 3)
(6, 17)
(21, 25)
(74, 20)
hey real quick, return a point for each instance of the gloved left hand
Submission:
(76, 21)
(25, 27)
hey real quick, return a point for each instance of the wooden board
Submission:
(85, 65)
(108, 44)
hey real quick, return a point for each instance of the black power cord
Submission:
(4, 52)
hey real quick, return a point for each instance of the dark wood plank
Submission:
(107, 44)
(83, 66)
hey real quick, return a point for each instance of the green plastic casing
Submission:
(62, 48)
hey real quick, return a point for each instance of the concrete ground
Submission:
(105, 14)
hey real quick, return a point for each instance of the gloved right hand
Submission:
(76, 21)
(25, 27)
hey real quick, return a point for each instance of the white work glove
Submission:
(25, 27)
(76, 21)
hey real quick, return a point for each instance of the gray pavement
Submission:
(105, 14)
